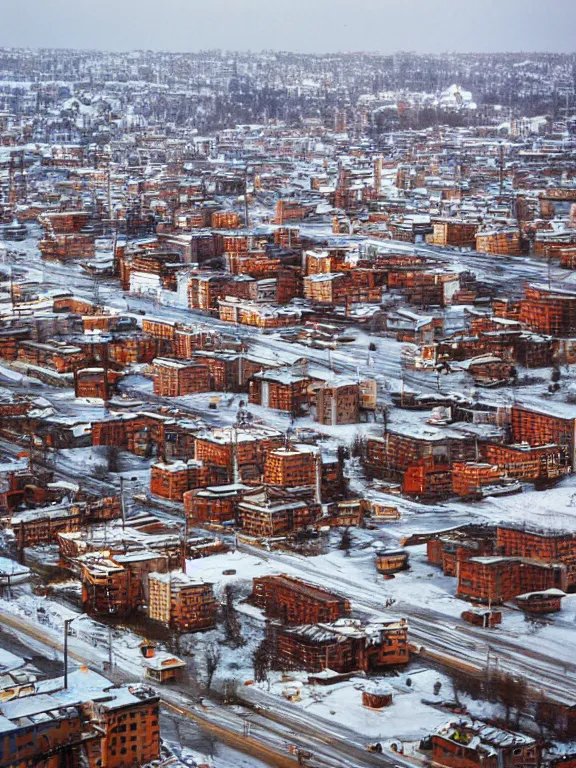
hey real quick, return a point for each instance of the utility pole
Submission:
(235, 463)
(501, 168)
(122, 501)
(110, 662)
(109, 191)
(246, 218)
(184, 545)
(67, 623)
(12, 302)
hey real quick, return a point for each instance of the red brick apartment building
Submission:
(147, 433)
(47, 734)
(204, 290)
(469, 478)
(174, 378)
(539, 427)
(547, 546)
(103, 726)
(449, 549)
(547, 458)
(118, 584)
(333, 288)
(171, 480)
(293, 601)
(343, 646)
(233, 454)
(421, 462)
(216, 504)
(105, 587)
(292, 466)
(142, 533)
(290, 210)
(262, 515)
(181, 602)
(55, 355)
(253, 313)
(229, 371)
(457, 232)
(338, 402)
(95, 382)
(40, 527)
(130, 727)
(467, 743)
(499, 579)
(525, 462)
(547, 311)
(282, 390)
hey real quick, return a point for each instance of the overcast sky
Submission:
(295, 25)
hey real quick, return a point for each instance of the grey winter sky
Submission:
(295, 25)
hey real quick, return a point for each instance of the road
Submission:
(384, 364)
(441, 638)
(272, 729)
(445, 639)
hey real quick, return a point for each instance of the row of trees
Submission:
(517, 700)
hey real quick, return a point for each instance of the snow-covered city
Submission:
(287, 409)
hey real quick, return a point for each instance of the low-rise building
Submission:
(163, 668)
(343, 646)
(92, 722)
(175, 378)
(181, 602)
(263, 516)
(235, 454)
(292, 466)
(338, 402)
(294, 601)
(172, 480)
(549, 546)
(499, 579)
(466, 742)
(216, 504)
(283, 389)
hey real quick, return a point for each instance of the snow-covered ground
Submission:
(422, 592)
(416, 707)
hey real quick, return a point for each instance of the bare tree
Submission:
(358, 447)
(212, 658)
(262, 658)
(173, 643)
(510, 691)
(346, 542)
(112, 457)
(465, 684)
(550, 720)
(232, 625)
